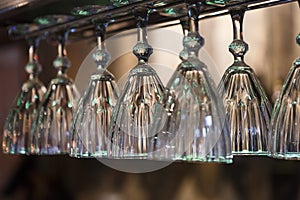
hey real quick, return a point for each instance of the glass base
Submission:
(193, 159)
(80, 155)
(286, 156)
(250, 153)
(100, 154)
(208, 159)
(18, 152)
(142, 156)
(52, 151)
(160, 158)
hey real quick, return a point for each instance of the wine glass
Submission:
(247, 106)
(17, 137)
(191, 126)
(285, 141)
(92, 118)
(130, 124)
(53, 123)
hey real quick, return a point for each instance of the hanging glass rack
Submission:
(24, 11)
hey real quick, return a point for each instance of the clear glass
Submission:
(17, 137)
(285, 139)
(132, 116)
(91, 121)
(190, 125)
(53, 123)
(247, 106)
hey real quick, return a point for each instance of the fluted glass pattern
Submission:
(191, 124)
(17, 135)
(92, 118)
(53, 123)
(133, 114)
(285, 140)
(18, 138)
(247, 109)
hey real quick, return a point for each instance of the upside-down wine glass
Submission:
(132, 116)
(53, 122)
(246, 103)
(191, 126)
(91, 121)
(285, 141)
(17, 137)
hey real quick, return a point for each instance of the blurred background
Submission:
(270, 33)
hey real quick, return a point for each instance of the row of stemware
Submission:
(187, 120)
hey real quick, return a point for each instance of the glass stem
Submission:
(33, 67)
(185, 25)
(100, 44)
(194, 25)
(62, 48)
(183, 55)
(142, 38)
(237, 16)
(142, 17)
(61, 54)
(62, 63)
(101, 56)
(193, 41)
(100, 30)
(142, 34)
(33, 44)
(193, 14)
(142, 49)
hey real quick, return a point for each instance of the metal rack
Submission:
(24, 11)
